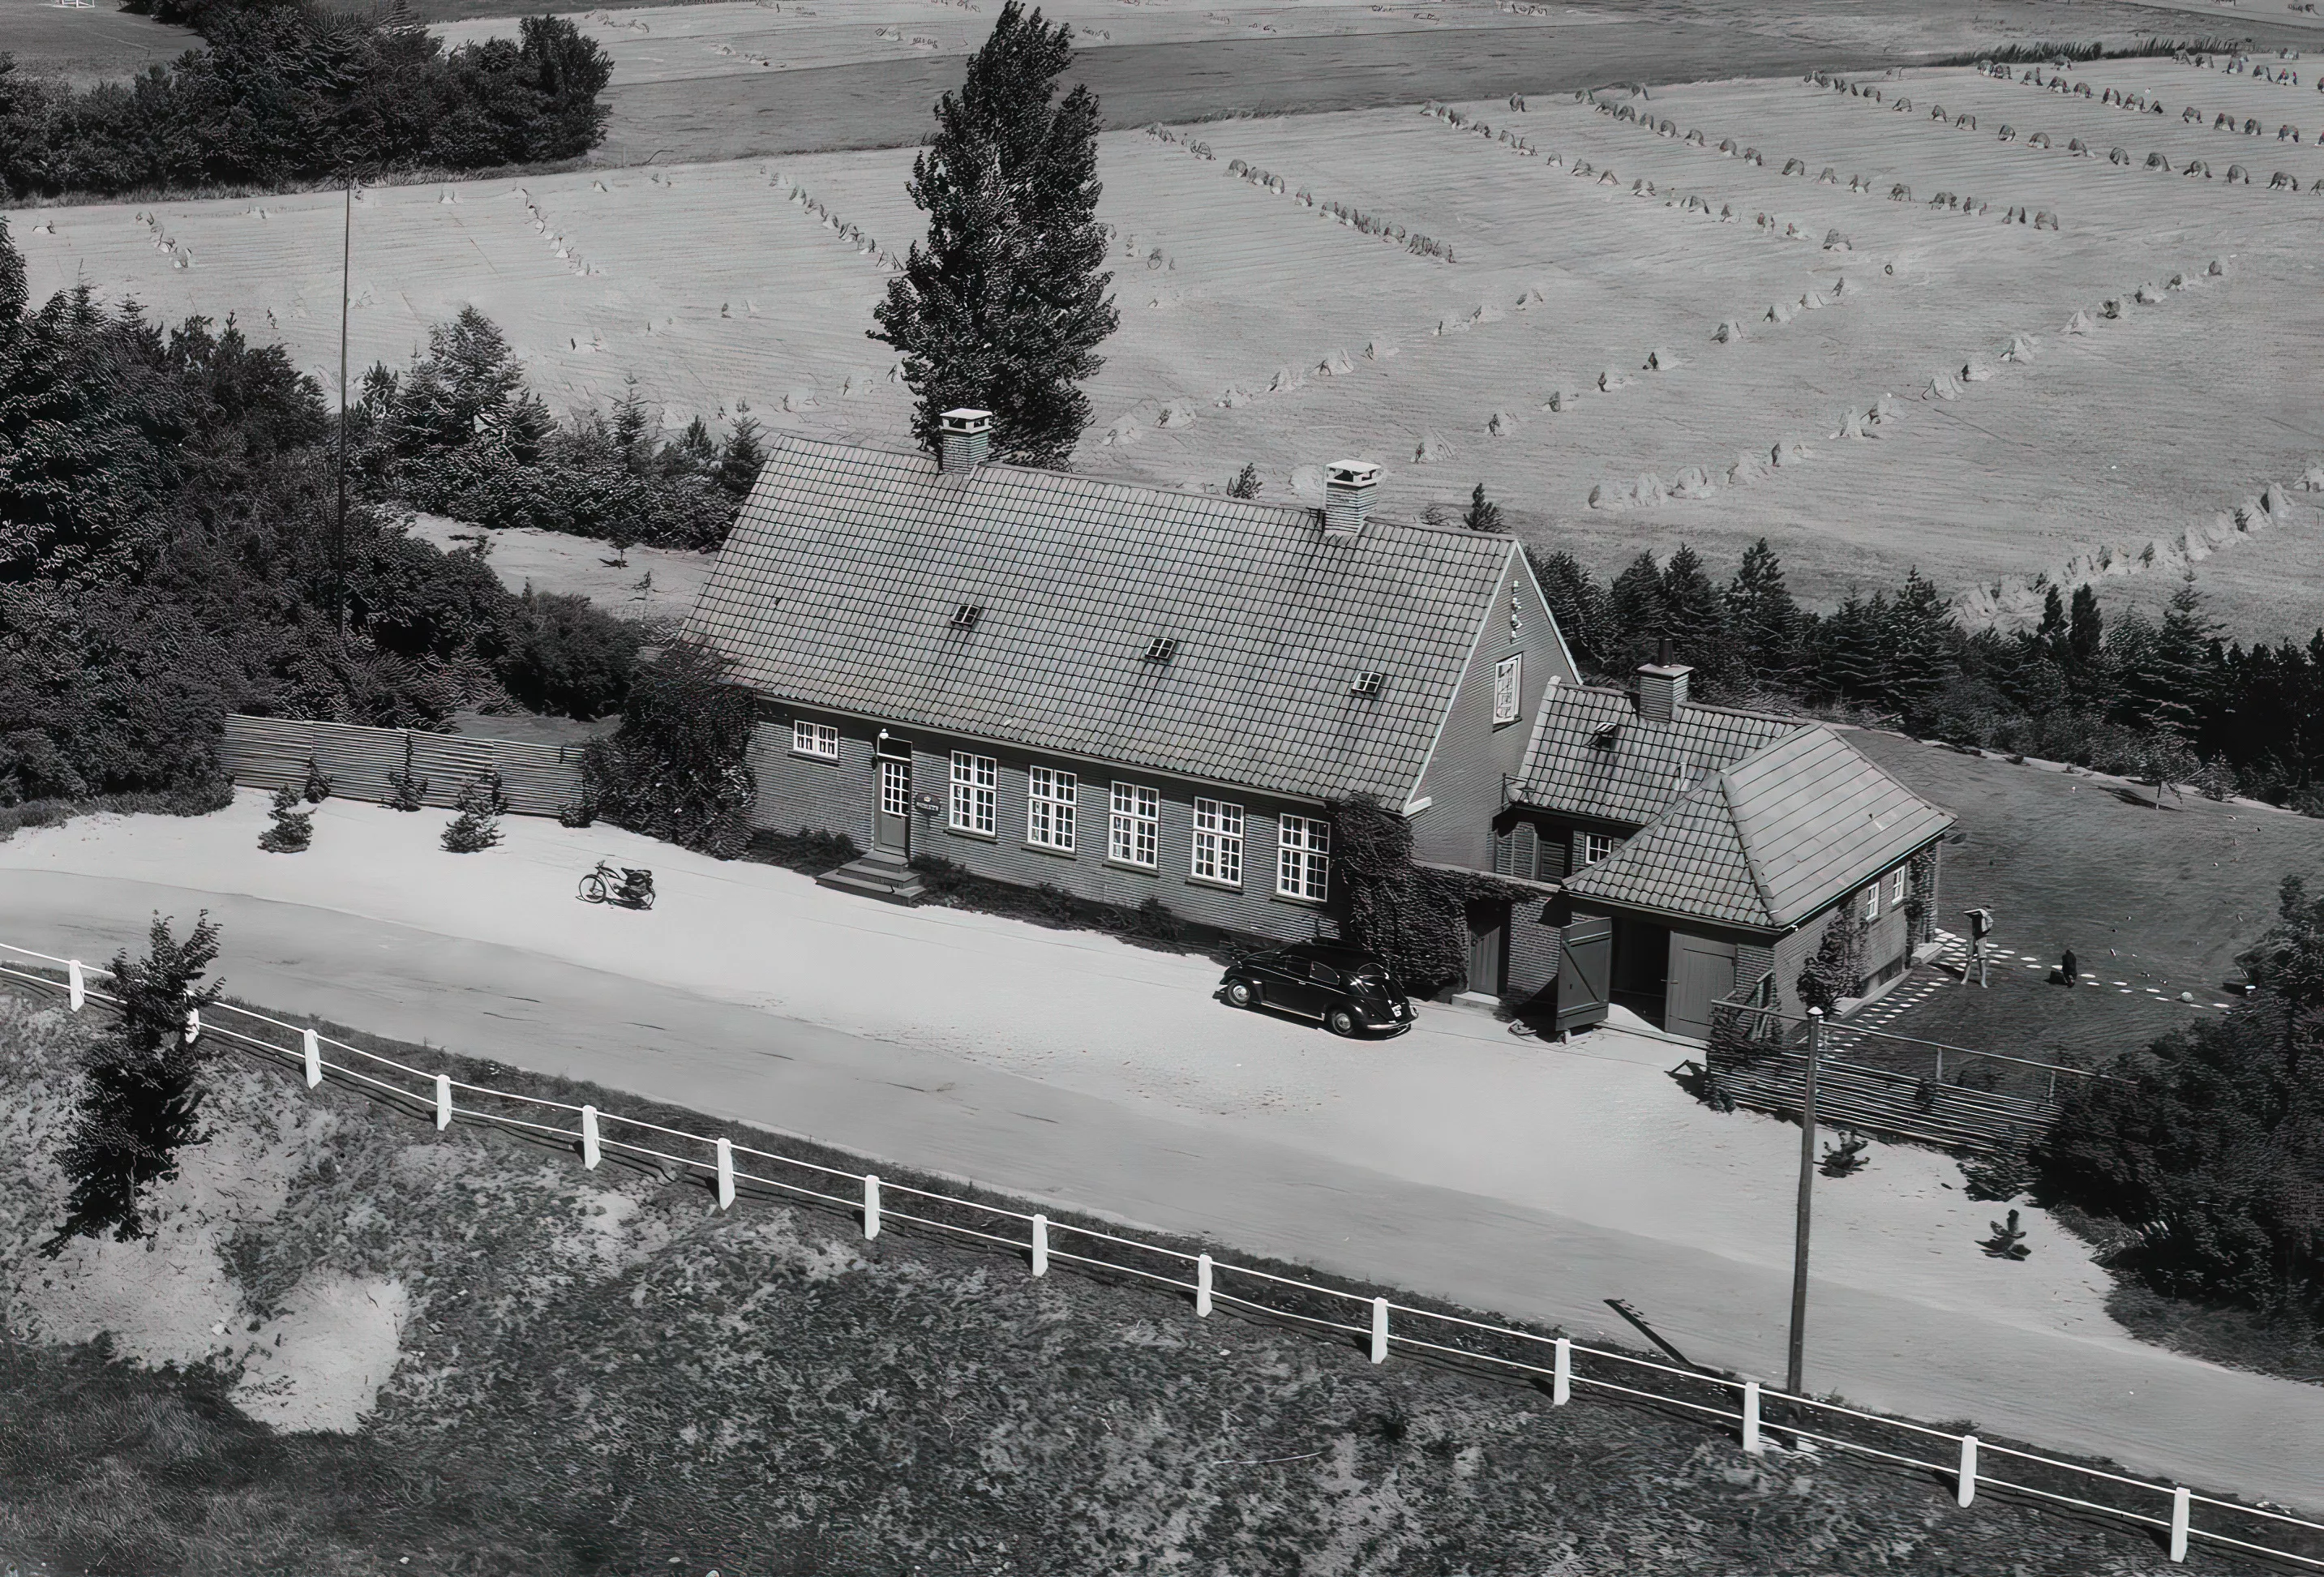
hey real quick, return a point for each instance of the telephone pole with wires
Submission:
(339, 531)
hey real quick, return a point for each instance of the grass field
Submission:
(2125, 450)
(462, 1353)
(2154, 902)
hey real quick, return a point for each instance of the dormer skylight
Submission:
(964, 617)
(1161, 648)
(1367, 685)
(1605, 736)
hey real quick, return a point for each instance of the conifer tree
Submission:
(1764, 620)
(1483, 514)
(293, 828)
(141, 1094)
(1695, 619)
(1639, 607)
(1578, 603)
(1003, 305)
(742, 458)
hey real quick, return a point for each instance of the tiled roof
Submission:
(1592, 754)
(838, 586)
(1770, 841)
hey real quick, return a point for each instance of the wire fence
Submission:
(1757, 1418)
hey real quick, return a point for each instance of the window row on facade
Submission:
(1133, 826)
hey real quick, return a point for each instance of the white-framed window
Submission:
(1218, 842)
(820, 740)
(1049, 800)
(1872, 903)
(1133, 835)
(1589, 848)
(975, 785)
(1302, 858)
(1509, 682)
(1896, 889)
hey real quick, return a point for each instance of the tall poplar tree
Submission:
(1003, 305)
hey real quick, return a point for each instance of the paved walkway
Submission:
(1423, 1168)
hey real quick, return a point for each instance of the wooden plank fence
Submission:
(266, 753)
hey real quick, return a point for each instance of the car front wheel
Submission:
(1343, 1020)
(1242, 994)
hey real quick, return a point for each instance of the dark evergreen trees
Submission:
(1003, 305)
(1482, 514)
(2211, 1142)
(1763, 619)
(1579, 605)
(677, 768)
(290, 91)
(140, 1097)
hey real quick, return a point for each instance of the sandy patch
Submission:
(320, 1363)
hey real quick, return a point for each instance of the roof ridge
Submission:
(1743, 841)
(1285, 512)
(1617, 693)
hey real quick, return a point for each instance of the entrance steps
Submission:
(883, 876)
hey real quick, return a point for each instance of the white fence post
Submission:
(1561, 1378)
(1965, 1479)
(1040, 1245)
(443, 1100)
(311, 1046)
(726, 1173)
(1202, 1286)
(1751, 1417)
(870, 1205)
(75, 985)
(590, 1153)
(1380, 1330)
(193, 1025)
(2180, 1508)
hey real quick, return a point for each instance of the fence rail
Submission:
(1752, 1412)
(266, 753)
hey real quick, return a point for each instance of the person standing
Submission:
(2070, 967)
(1980, 928)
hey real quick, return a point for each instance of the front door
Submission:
(1585, 969)
(1489, 934)
(893, 824)
(1702, 972)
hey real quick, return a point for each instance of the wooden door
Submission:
(1489, 937)
(893, 822)
(1702, 971)
(1585, 969)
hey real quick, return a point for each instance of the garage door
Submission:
(1701, 973)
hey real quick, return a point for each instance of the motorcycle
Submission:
(630, 889)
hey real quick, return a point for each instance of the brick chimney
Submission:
(1347, 498)
(967, 439)
(1662, 690)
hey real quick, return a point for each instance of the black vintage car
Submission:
(1347, 990)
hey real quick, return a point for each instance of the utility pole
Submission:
(339, 532)
(1794, 1376)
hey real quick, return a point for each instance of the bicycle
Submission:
(629, 887)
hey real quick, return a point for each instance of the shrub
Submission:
(478, 826)
(814, 852)
(141, 1092)
(293, 828)
(1838, 965)
(677, 769)
(406, 789)
(566, 656)
(317, 787)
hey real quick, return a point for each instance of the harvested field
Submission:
(1929, 345)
